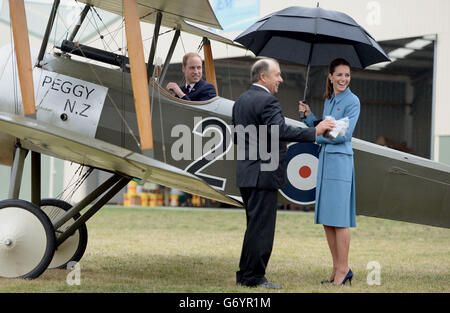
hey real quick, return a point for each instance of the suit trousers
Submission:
(261, 210)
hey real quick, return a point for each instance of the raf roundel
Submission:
(302, 164)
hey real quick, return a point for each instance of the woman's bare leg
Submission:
(331, 239)
(343, 247)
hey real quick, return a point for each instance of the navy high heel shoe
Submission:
(348, 277)
(326, 281)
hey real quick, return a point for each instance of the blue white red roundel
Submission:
(302, 163)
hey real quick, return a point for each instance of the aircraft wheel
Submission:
(73, 248)
(27, 240)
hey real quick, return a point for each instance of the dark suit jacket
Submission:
(202, 91)
(257, 107)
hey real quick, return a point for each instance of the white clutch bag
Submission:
(339, 130)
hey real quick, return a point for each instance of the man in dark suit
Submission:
(195, 89)
(258, 184)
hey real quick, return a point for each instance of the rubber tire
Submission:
(83, 233)
(49, 232)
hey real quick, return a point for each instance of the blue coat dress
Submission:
(335, 191)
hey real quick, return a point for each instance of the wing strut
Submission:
(169, 56)
(154, 44)
(22, 49)
(48, 30)
(83, 14)
(209, 64)
(138, 73)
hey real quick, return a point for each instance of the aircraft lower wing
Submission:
(400, 186)
(61, 143)
(395, 185)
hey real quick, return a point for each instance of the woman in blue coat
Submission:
(335, 191)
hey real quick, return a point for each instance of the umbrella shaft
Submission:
(302, 114)
(307, 71)
(306, 82)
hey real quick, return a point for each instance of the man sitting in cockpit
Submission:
(195, 89)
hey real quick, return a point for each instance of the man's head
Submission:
(266, 72)
(192, 67)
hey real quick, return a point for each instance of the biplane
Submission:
(121, 120)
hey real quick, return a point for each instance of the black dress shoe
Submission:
(268, 285)
(263, 284)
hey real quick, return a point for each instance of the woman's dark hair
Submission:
(329, 86)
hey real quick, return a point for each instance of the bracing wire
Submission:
(14, 73)
(106, 27)
(99, 80)
(81, 179)
(66, 33)
(123, 52)
(163, 142)
(229, 75)
(113, 102)
(74, 185)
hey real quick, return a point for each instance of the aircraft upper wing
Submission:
(176, 14)
(174, 11)
(199, 31)
(55, 141)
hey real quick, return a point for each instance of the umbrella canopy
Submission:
(312, 36)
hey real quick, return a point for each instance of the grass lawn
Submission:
(176, 250)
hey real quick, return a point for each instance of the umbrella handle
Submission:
(302, 116)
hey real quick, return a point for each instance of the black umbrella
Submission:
(312, 36)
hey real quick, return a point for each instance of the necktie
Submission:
(188, 87)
